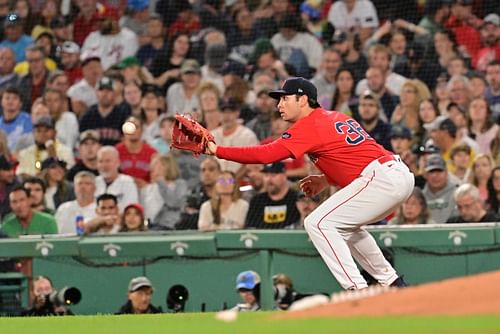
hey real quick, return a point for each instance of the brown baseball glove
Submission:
(189, 135)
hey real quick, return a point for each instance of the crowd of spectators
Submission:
(423, 79)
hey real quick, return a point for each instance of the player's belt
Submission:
(386, 158)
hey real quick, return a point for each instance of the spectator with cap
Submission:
(300, 49)
(439, 189)
(105, 117)
(69, 54)
(265, 58)
(83, 205)
(354, 15)
(232, 133)
(7, 63)
(13, 121)
(133, 219)
(248, 287)
(34, 82)
(443, 133)
(46, 145)
(111, 42)
(14, 36)
(140, 292)
(227, 210)
(58, 189)
(66, 123)
(471, 207)
(181, 96)
(135, 154)
(369, 117)
(132, 70)
(348, 45)
(215, 57)
(275, 208)
(305, 205)
(8, 181)
(264, 108)
(331, 62)
(24, 220)
(107, 219)
(37, 187)
(83, 93)
(87, 154)
(136, 16)
(111, 181)
(148, 52)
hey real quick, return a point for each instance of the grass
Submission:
(247, 323)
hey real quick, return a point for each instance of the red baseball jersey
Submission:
(334, 142)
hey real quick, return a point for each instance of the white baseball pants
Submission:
(336, 226)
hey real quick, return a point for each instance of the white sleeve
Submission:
(130, 192)
(369, 18)
(64, 223)
(205, 218)
(335, 15)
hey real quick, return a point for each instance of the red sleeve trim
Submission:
(259, 154)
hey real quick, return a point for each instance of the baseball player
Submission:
(374, 181)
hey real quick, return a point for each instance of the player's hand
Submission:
(211, 148)
(313, 184)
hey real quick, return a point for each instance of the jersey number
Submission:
(354, 133)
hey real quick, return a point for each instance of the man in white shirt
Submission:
(379, 56)
(84, 205)
(83, 94)
(111, 42)
(291, 45)
(232, 133)
(111, 181)
(358, 15)
(181, 96)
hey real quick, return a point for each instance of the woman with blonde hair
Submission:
(209, 96)
(480, 172)
(226, 210)
(406, 113)
(165, 196)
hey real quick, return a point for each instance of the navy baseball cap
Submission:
(275, 167)
(399, 131)
(297, 86)
(435, 162)
(247, 280)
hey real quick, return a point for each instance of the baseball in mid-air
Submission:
(129, 128)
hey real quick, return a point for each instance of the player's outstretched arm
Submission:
(256, 154)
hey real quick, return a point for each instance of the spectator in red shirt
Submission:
(465, 26)
(135, 154)
(490, 36)
(86, 21)
(187, 21)
(69, 52)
